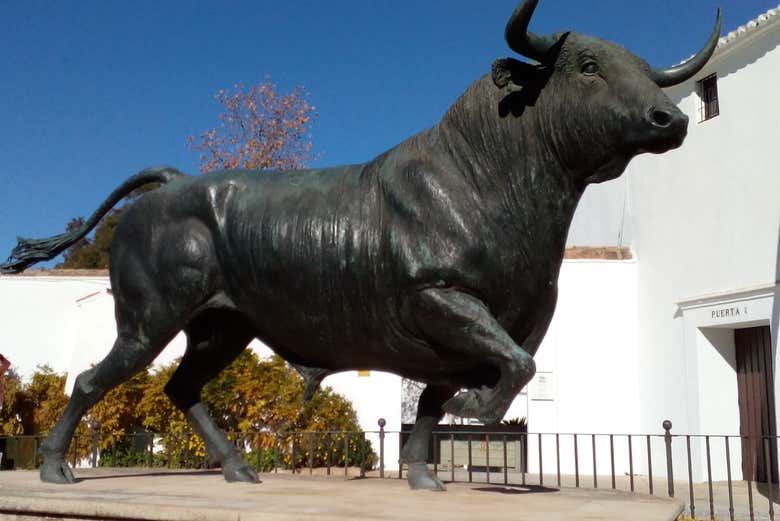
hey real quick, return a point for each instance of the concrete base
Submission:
(150, 495)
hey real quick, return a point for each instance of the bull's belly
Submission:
(322, 334)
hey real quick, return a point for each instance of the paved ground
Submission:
(144, 494)
(740, 498)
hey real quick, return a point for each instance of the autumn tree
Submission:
(258, 400)
(119, 417)
(262, 401)
(15, 405)
(46, 400)
(261, 127)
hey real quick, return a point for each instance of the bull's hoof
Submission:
(475, 403)
(420, 478)
(237, 469)
(56, 471)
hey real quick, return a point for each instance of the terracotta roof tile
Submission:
(599, 252)
(61, 273)
(575, 252)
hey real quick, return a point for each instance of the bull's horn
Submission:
(686, 70)
(520, 40)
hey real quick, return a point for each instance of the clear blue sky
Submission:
(92, 91)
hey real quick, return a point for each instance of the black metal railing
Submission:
(704, 464)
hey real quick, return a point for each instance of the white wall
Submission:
(603, 216)
(94, 332)
(38, 318)
(375, 396)
(590, 349)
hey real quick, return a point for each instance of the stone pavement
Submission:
(163, 495)
(740, 498)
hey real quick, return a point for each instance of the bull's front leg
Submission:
(415, 451)
(462, 323)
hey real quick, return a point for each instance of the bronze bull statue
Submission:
(437, 260)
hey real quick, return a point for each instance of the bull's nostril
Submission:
(660, 118)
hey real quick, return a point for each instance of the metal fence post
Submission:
(382, 424)
(346, 455)
(293, 454)
(400, 453)
(363, 452)
(311, 453)
(667, 425)
(452, 457)
(151, 450)
(36, 457)
(328, 451)
(95, 426)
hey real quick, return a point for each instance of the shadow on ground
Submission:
(150, 474)
(517, 489)
(763, 490)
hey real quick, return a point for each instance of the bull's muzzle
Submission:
(668, 127)
(665, 118)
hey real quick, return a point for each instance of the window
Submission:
(708, 94)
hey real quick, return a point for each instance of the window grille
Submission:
(708, 95)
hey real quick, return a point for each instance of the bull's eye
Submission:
(590, 68)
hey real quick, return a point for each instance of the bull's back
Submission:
(302, 254)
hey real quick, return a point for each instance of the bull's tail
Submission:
(30, 251)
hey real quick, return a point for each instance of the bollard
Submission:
(667, 425)
(382, 424)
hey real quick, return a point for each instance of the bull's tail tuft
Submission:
(31, 251)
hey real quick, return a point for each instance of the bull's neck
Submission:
(513, 169)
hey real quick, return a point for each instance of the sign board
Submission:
(542, 387)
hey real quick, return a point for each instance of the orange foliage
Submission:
(261, 128)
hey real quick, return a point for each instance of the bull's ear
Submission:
(514, 75)
(503, 71)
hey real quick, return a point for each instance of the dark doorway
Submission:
(755, 383)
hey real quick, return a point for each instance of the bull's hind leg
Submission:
(214, 339)
(128, 356)
(415, 451)
(159, 279)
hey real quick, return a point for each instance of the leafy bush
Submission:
(125, 458)
(253, 395)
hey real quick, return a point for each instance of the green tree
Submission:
(92, 253)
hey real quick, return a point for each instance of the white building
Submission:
(674, 331)
(703, 224)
